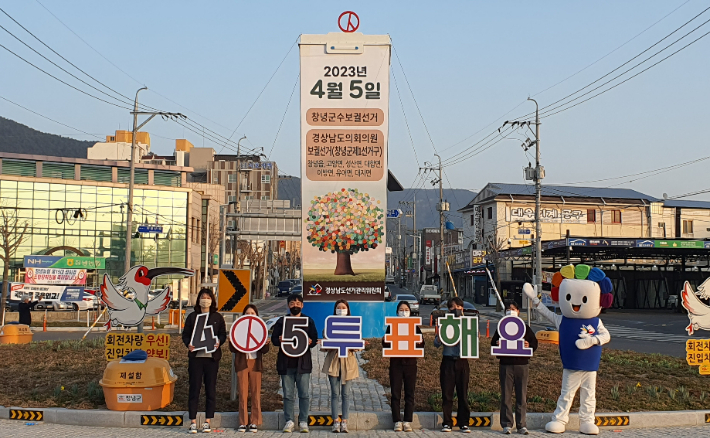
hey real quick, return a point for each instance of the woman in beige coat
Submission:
(341, 372)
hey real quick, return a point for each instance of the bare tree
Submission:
(494, 246)
(12, 234)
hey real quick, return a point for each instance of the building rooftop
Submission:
(492, 190)
(679, 203)
(109, 163)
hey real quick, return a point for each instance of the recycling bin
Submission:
(138, 385)
(15, 334)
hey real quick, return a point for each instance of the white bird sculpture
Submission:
(698, 312)
(129, 303)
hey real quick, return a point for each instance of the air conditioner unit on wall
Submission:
(662, 225)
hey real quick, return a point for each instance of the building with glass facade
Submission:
(78, 206)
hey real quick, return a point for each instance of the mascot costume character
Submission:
(581, 292)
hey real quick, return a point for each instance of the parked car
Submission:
(428, 294)
(389, 279)
(388, 294)
(297, 290)
(442, 309)
(285, 287)
(412, 300)
(175, 304)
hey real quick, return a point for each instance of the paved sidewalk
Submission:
(18, 429)
(367, 394)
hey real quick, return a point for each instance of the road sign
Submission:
(348, 21)
(21, 414)
(161, 420)
(620, 420)
(248, 334)
(475, 421)
(150, 229)
(320, 420)
(394, 213)
(233, 289)
(524, 230)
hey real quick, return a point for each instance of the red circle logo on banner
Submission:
(348, 21)
(248, 334)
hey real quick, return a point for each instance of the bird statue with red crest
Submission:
(581, 292)
(128, 303)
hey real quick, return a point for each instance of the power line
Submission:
(266, 85)
(284, 115)
(45, 117)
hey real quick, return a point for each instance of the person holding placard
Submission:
(341, 371)
(249, 367)
(203, 335)
(295, 335)
(513, 372)
(454, 374)
(403, 372)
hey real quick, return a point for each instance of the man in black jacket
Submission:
(24, 309)
(513, 371)
(295, 372)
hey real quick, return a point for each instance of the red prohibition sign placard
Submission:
(248, 334)
(349, 25)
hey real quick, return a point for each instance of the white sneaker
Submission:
(343, 426)
(336, 427)
(407, 427)
(206, 427)
(288, 428)
(507, 430)
(523, 431)
(398, 426)
(193, 428)
(303, 426)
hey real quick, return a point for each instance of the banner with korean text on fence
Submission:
(344, 132)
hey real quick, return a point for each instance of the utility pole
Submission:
(235, 237)
(539, 175)
(535, 174)
(413, 214)
(129, 215)
(441, 207)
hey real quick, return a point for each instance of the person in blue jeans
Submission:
(295, 372)
(341, 372)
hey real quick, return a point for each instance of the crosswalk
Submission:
(620, 331)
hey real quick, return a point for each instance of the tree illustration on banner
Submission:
(345, 222)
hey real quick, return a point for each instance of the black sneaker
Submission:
(465, 429)
(252, 428)
(242, 428)
(446, 428)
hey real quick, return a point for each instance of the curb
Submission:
(359, 420)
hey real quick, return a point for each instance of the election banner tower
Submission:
(344, 133)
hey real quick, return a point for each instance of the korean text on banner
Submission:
(344, 137)
(402, 337)
(55, 276)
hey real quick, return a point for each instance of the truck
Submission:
(429, 294)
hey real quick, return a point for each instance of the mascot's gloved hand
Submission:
(586, 341)
(529, 292)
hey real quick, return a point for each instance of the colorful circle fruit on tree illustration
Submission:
(344, 222)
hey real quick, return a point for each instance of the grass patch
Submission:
(67, 373)
(361, 275)
(627, 381)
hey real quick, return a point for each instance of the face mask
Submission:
(205, 302)
(457, 312)
(341, 312)
(511, 313)
(295, 310)
(403, 313)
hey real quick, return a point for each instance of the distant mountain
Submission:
(427, 216)
(18, 138)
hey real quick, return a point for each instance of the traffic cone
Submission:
(488, 328)
(153, 323)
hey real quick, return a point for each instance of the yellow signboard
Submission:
(233, 289)
(155, 344)
(698, 353)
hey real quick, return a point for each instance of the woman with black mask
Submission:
(403, 372)
(201, 365)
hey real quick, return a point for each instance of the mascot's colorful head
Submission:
(581, 291)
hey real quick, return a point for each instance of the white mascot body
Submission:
(581, 293)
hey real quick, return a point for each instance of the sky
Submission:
(461, 69)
